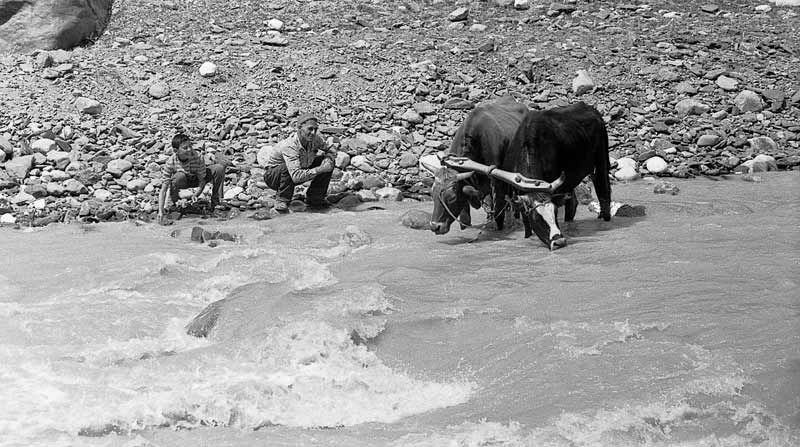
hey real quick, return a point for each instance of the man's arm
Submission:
(292, 160)
(162, 197)
(201, 185)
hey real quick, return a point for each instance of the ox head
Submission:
(452, 195)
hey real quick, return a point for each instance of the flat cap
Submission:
(306, 117)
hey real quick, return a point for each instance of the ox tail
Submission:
(602, 169)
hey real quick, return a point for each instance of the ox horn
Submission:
(464, 175)
(528, 184)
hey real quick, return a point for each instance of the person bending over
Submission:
(298, 159)
(186, 169)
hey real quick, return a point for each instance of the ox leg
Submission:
(546, 227)
(570, 207)
(499, 208)
(602, 188)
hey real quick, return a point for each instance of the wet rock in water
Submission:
(626, 210)
(626, 174)
(355, 237)
(202, 325)
(761, 163)
(8, 219)
(666, 188)
(655, 165)
(348, 201)
(619, 209)
(416, 219)
(261, 215)
(752, 178)
(389, 193)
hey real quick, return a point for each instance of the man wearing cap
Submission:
(298, 159)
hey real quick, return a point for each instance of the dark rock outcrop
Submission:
(26, 25)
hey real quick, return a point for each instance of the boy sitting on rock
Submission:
(187, 169)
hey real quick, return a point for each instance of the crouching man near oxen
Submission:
(298, 159)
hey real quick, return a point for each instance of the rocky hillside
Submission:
(686, 89)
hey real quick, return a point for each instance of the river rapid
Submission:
(680, 328)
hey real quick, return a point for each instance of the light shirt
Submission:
(297, 159)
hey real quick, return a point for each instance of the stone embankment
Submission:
(686, 89)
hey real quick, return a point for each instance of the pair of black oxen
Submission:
(532, 159)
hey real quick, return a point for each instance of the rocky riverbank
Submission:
(686, 89)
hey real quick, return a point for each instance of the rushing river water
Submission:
(348, 329)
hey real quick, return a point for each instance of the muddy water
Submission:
(678, 328)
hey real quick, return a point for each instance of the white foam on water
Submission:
(303, 370)
(786, 2)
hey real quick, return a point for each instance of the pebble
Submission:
(727, 84)
(43, 145)
(708, 140)
(749, 101)
(118, 167)
(458, 15)
(626, 174)
(158, 90)
(763, 144)
(522, 4)
(691, 107)
(208, 69)
(19, 167)
(88, 106)
(582, 83)
(655, 165)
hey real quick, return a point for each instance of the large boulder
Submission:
(50, 24)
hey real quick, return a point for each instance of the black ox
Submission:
(549, 154)
(484, 138)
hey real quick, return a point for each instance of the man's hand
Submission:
(181, 203)
(326, 165)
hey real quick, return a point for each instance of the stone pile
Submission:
(83, 133)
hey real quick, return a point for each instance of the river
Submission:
(680, 328)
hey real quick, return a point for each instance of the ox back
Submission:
(571, 139)
(484, 137)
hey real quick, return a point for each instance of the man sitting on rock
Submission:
(298, 159)
(186, 169)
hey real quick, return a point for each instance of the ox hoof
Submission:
(558, 242)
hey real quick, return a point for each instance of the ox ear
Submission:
(473, 196)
